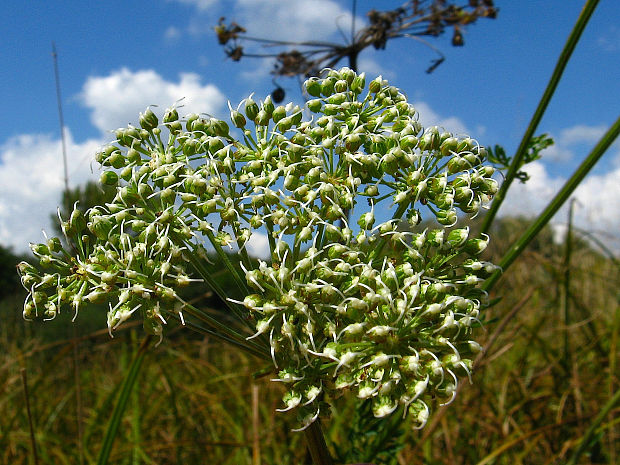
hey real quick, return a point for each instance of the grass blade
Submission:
(585, 440)
(580, 173)
(123, 398)
(567, 51)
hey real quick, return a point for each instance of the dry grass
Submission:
(535, 392)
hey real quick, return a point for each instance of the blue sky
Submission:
(118, 57)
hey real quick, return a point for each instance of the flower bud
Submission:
(238, 119)
(457, 237)
(375, 85)
(251, 108)
(109, 178)
(327, 86)
(476, 246)
(358, 84)
(220, 127)
(148, 120)
(313, 87)
(171, 115)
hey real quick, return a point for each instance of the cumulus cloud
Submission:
(428, 117)
(172, 33)
(117, 99)
(31, 168)
(301, 20)
(597, 207)
(609, 41)
(258, 246)
(569, 140)
(31, 183)
(199, 4)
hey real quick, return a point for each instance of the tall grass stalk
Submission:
(556, 203)
(33, 441)
(584, 441)
(121, 405)
(517, 160)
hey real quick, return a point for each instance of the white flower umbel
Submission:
(356, 298)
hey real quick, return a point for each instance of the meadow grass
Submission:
(537, 391)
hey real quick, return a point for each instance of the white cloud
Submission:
(258, 246)
(598, 201)
(428, 117)
(300, 20)
(117, 99)
(172, 33)
(610, 39)
(570, 139)
(200, 4)
(581, 134)
(31, 183)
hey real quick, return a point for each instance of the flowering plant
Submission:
(354, 299)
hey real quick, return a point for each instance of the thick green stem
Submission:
(316, 444)
(517, 248)
(517, 160)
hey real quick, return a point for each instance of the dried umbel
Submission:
(355, 299)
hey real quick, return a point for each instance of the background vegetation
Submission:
(549, 369)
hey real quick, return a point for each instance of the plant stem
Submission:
(316, 444)
(30, 422)
(119, 409)
(517, 160)
(585, 440)
(580, 173)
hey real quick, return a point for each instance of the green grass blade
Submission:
(121, 405)
(580, 173)
(585, 440)
(567, 51)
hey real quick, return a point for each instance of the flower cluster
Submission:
(356, 298)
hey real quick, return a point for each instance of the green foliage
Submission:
(497, 155)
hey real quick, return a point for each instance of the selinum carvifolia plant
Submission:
(356, 299)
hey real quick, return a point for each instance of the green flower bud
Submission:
(190, 121)
(375, 85)
(77, 221)
(238, 119)
(341, 85)
(116, 159)
(358, 84)
(313, 87)
(262, 118)
(220, 128)
(109, 178)
(476, 246)
(148, 120)
(54, 244)
(171, 115)
(268, 105)
(447, 217)
(327, 86)
(251, 108)
(457, 237)
(314, 105)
